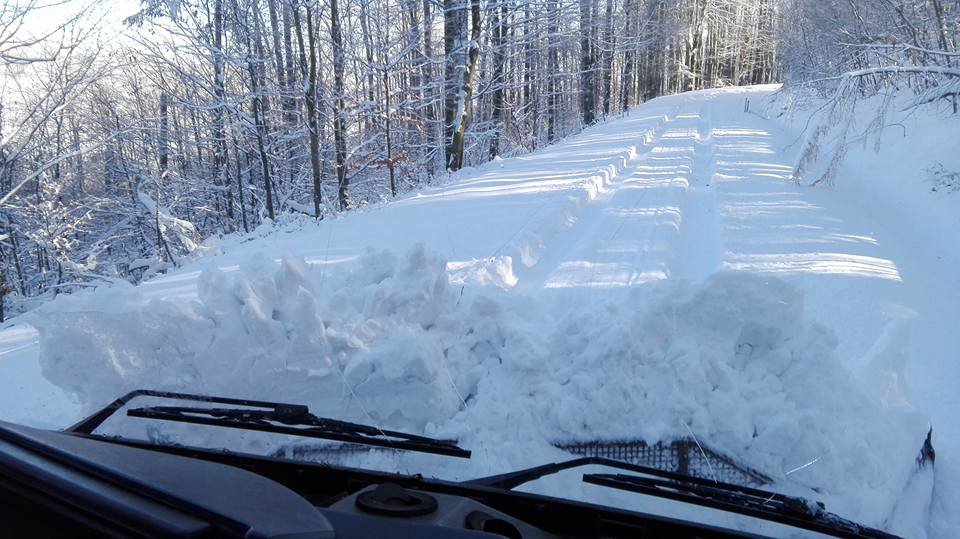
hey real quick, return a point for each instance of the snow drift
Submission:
(732, 361)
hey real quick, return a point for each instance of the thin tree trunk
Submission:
(6, 182)
(164, 137)
(257, 110)
(164, 164)
(368, 55)
(310, 98)
(531, 71)
(219, 92)
(434, 93)
(3, 294)
(240, 198)
(339, 134)
(498, 23)
(387, 133)
(553, 68)
(465, 97)
(586, 64)
(608, 60)
(454, 28)
(629, 55)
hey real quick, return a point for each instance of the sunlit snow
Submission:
(656, 275)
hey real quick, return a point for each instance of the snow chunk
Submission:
(733, 361)
(284, 334)
(495, 270)
(388, 341)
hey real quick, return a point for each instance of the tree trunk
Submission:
(3, 296)
(629, 55)
(310, 98)
(531, 72)
(608, 60)
(498, 27)
(465, 97)
(81, 175)
(164, 137)
(339, 130)
(219, 94)
(4, 288)
(433, 94)
(368, 55)
(6, 183)
(586, 63)
(240, 198)
(163, 150)
(553, 68)
(454, 28)
(257, 110)
(387, 133)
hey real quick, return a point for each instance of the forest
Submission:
(122, 152)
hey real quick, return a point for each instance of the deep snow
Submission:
(655, 276)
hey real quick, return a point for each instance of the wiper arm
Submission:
(512, 480)
(272, 417)
(771, 506)
(765, 505)
(298, 421)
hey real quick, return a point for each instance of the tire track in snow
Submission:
(698, 250)
(584, 218)
(625, 237)
(534, 240)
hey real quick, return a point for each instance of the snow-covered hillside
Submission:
(657, 276)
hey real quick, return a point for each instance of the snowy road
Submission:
(712, 191)
(684, 187)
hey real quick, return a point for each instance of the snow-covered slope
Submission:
(892, 180)
(654, 277)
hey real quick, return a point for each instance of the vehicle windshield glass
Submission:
(713, 237)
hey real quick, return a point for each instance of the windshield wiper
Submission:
(765, 505)
(780, 508)
(272, 417)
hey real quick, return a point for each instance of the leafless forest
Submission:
(120, 154)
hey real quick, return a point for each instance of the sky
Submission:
(53, 13)
(46, 17)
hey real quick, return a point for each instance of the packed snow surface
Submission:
(659, 276)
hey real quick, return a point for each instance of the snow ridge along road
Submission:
(617, 239)
(658, 219)
(681, 188)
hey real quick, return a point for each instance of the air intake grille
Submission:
(680, 456)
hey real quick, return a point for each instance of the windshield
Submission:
(713, 236)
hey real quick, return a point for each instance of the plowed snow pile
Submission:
(732, 361)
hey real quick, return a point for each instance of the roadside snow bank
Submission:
(733, 362)
(389, 341)
(294, 335)
(895, 159)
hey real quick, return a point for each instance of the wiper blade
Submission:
(272, 417)
(771, 506)
(298, 421)
(765, 505)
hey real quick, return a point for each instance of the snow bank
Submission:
(898, 161)
(733, 362)
(390, 341)
(288, 336)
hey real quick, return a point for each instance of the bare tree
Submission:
(116, 161)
